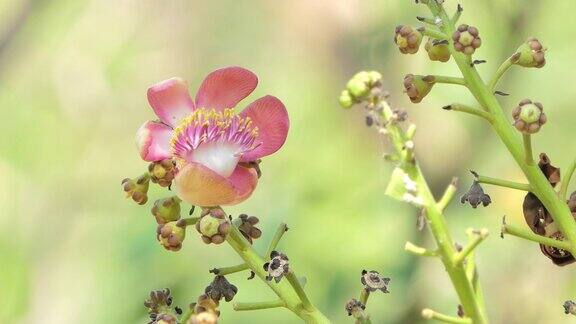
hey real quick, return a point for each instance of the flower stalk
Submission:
(483, 93)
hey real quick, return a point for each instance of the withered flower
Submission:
(570, 307)
(476, 196)
(277, 267)
(355, 308)
(247, 226)
(220, 288)
(373, 281)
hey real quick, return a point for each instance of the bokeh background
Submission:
(73, 76)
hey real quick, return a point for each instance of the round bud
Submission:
(437, 51)
(166, 210)
(357, 87)
(345, 100)
(171, 236)
(408, 39)
(529, 116)
(466, 39)
(530, 54)
(417, 86)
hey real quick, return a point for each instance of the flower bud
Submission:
(408, 39)
(417, 86)
(137, 189)
(529, 116)
(171, 236)
(531, 54)
(203, 318)
(466, 39)
(437, 51)
(166, 210)
(345, 100)
(357, 87)
(213, 226)
(162, 172)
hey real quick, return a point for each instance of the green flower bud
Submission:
(530, 54)
(162, 172)
(166, 210)
(437, 51)
(418, 86)
(346, 100)
(466, 39)
(171, 236)
(137, 189)
(408, 39)
(357, 87)
(528, 116)
(213, 226)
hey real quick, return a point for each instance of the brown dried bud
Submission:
(418, 86)
(206, 304)
(214, 226)
(530, 54)
(203, 318)
(355, 308)
(246, 225)
(408, 39)
(437, 50)
(171, 235)
(569, 307)
(220, 288)
(475, 196)
(466, 39)
(529, 116)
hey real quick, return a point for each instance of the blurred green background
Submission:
(73, 76)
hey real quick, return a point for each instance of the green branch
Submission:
(469, 110)
(449, 80)
(476, 238)
(504, 67)
(427, 313)
(230, 270)
(501, 182)
(566, 181)
(436, 34)
(259, 305)
(282, 228)
(530, 236)
(419, 251)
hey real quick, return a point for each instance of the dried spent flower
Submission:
(529, 116)
(213, 225)
(408, 39)
(570, 307)
(206, 304)
(466, 39)
(162, 172)
(530, 54)
(277, 267)
(476, 196)
(247, 226)
(158, 301)
(418, 86)
(203, 318)
(171, 235)
(137, 189)
(355, 308)
(373, 281)
(437, 50)
(165, 319)
(220, 288)
(166, 210)
(559, 256)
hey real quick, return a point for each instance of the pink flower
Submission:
(208, 140)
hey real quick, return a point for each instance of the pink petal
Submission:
(200, 186)
(270, 116)
(153, 141)
(224, 88)
(170, 100)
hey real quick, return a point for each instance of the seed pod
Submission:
(437, 50)
(466, 39)
(529, 116)
(418, 86)
(531, 54)
(408, 39)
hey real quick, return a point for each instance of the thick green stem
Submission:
(509, 136)
(437, 224)
(259, 305)
(283, 289)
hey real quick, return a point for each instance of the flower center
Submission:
(216, 139)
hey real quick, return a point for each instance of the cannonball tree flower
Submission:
(210, 143)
